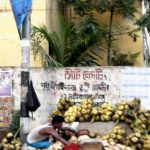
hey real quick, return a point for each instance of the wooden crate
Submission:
(91, 146)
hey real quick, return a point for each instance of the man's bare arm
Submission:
(50, 131)
(58, 137)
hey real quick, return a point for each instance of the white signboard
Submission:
(135, 82)
(5, 84)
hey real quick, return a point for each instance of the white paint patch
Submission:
(25, 43)
(24, 122)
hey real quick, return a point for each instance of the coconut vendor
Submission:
(43, 135)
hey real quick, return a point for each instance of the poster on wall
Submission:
(5, 84)
(6, 106)
(135, 83)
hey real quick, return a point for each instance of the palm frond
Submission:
(144, 20)
(87, 25)
(52, 39)
(67, 31)
(71, 45)
(46, 59)
(82, 44)
(94, 55)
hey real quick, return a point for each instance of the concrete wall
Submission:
(10, 53)
(47, 12)
(111, 84)
(43, 12)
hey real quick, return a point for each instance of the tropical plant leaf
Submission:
(94, 55)
(52, 39)
(71, 44)
(133, 56)
(144, 21)
(120, 59)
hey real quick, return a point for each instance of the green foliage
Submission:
(82, 7)
(125, 8)
(83, 44)
(74, 45)
(144, 21)
(89, 34)
(15, 122)
(38, 35)
(120, 59)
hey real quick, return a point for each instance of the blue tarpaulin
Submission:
(20, 8)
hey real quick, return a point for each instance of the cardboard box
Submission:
(91, 146)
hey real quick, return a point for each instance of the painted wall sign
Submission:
(79, 84)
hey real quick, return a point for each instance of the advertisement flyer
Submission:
(5, 84)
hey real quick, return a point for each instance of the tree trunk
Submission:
(110, 38)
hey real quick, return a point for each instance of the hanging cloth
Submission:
(32, 100)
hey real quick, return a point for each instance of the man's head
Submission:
(57, 121)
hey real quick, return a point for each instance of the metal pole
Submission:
(25, 67)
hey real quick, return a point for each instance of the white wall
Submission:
(115, 84)
(112, 84)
